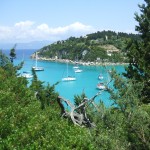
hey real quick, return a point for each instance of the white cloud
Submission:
(43, 27)
(79, 26)
(27, 31)
(24, 24)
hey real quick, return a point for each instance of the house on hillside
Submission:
(110, 49)
(110, 52)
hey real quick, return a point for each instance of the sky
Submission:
(52, 20)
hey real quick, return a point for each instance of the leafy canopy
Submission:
(139, 52)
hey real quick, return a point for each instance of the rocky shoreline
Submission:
(80, 62)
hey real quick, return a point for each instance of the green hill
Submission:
(105, 46)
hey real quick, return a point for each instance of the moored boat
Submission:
(68, 78)
(78, 70)
(36, 68)
(26, 75)
(100, 77)
(101, 86)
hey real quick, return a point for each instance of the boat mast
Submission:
(67, 68)
(36, 59)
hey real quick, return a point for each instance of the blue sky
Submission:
(37, 20)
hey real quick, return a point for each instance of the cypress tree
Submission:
(12, 54)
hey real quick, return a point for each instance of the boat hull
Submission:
(38, 68)
(101, 86)
(78, 71)
(100, 77)
(75, 67)
(27, 75)
(69, 79)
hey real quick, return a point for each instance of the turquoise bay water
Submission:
(86, 81)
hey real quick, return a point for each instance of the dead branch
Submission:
(79, 118)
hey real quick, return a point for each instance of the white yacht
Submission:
(101, 86)
(77, 70)
(68, 78)
(36, 68)
(100, 77)
(26, 75)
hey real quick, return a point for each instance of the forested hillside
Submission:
(105, 46)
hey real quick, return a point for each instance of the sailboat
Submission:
(26, 74)
(101, 86)
(68, 78)
(36, 68)
(76, 67)
(100, 77)
(77, 70)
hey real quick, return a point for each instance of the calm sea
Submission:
(86, 81)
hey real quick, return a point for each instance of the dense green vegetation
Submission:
(24, 125)
(29, 122)
(139, 53)
(105, 46)
(31, 116)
